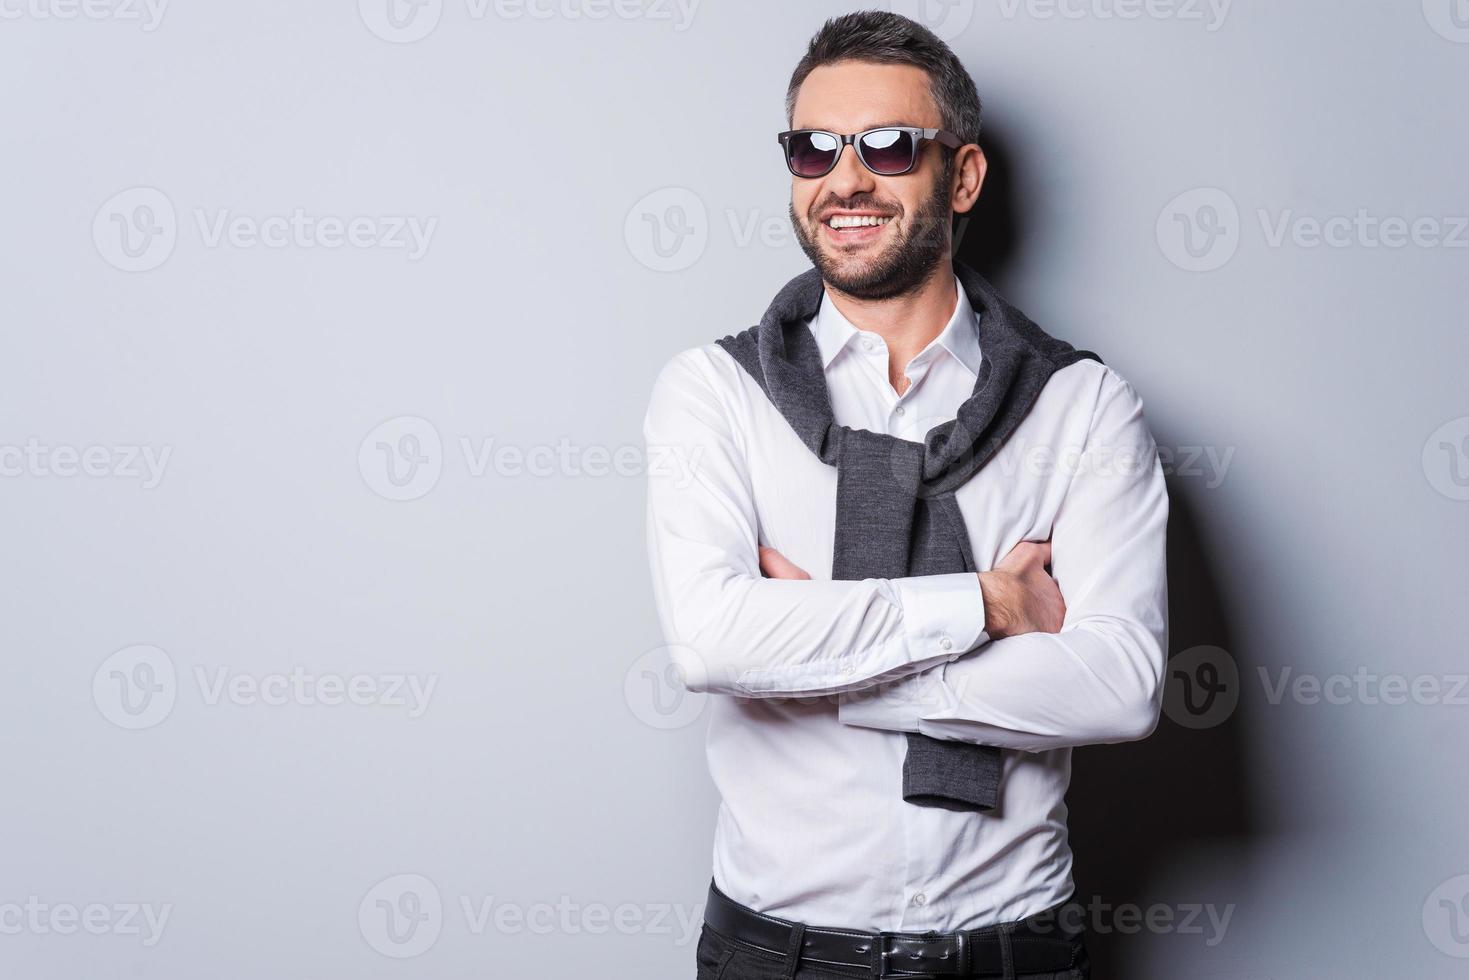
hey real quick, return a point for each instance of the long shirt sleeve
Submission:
(732, 631)
(1101, 678)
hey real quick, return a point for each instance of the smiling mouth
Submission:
(842, 222)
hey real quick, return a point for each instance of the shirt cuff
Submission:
(943, 615)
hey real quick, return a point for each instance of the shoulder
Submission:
(707, 368)
(1096, 396)
(703, 382)
(1095, 381)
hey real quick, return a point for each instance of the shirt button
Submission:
(866, 343)
(920, 899)
(946, 643)
(846, 668)
(899, 410)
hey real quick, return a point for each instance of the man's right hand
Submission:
(1019, 594)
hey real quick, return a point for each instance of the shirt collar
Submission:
(960, 336)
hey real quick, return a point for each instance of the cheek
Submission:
(804, 194)
(908, 195)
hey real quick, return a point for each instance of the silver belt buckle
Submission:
(888, 955)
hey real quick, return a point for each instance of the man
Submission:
(922, 556)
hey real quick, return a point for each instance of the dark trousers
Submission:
(721, 958)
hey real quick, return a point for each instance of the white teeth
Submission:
(856, 220)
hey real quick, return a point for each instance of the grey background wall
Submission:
(328, 330)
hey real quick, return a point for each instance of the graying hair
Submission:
(884, 37)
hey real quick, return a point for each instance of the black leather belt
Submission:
(1046, 942)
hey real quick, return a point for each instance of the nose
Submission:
(849, 178)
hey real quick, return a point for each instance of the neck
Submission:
(906, 323)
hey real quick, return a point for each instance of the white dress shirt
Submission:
(817, 680)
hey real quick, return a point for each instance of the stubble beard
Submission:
(910, 260)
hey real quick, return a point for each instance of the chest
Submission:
(1014, 497)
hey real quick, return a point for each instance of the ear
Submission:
(970, 166)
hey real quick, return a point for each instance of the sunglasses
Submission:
(887, 151)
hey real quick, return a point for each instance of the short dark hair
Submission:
(887, 38)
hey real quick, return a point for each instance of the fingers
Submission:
(1028, 554)
(776, 565)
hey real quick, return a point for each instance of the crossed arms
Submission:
(945, 655)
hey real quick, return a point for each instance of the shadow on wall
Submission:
(1138, 807)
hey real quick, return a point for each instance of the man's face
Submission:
(898, 256)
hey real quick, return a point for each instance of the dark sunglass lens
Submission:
(811, 154)
(888, 151)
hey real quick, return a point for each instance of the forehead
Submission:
(849, 96)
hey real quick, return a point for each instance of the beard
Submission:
(909, 260)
